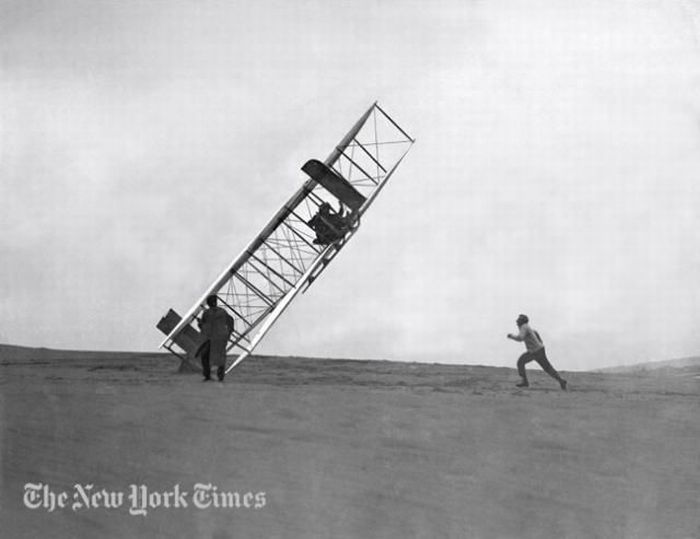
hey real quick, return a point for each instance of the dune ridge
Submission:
(347, 448)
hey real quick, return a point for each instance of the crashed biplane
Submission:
(300, 240)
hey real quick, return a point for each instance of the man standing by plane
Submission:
(216, 326)
(535, 352)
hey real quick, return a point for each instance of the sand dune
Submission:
(687, 366)
(331, 448)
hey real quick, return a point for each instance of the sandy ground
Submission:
(348, 449)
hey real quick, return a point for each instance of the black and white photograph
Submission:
(350, 269)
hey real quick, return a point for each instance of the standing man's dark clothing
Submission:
(216, 326)
(203, 353)
(535, 352)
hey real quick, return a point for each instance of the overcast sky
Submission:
(556, 171)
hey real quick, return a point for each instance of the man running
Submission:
(535, 352)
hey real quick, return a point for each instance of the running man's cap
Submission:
(522, 319)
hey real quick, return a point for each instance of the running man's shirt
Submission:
(532, 341)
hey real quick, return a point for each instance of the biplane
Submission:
(300, 240)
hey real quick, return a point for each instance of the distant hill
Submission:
(686, 365)
(10, 352)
